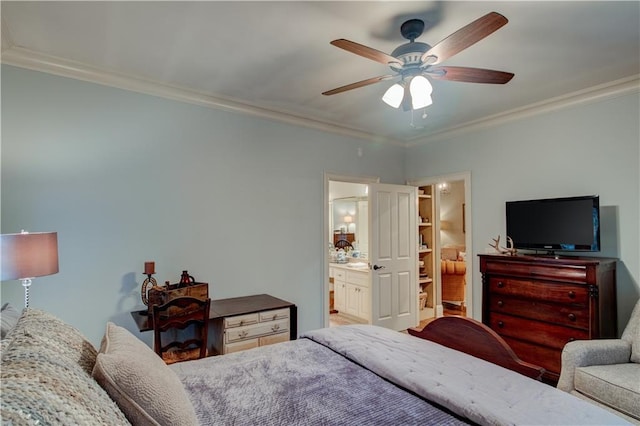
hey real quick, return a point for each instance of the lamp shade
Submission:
(420, 92)
(393, 96)
(28, 255)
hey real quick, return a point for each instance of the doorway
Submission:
(348, 245)
(452, 243)
(379, 281)
(345, 216)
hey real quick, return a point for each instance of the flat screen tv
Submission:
(555, 224)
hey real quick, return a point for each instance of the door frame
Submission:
(468, 237)
(328, 176)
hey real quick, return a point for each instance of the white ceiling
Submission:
(274, 58)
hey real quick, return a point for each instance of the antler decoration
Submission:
(510, 249)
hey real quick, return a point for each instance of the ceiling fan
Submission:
(414, 60)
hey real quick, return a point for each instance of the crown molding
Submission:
(35, 61)
(24, 58)
(597, 93)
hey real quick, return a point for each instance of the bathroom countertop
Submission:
(351, 266)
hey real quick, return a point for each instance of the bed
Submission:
(349, 375)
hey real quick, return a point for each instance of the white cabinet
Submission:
(360, 281)
(340, 289)
(358, 303)
(353, 300)
(353, 293)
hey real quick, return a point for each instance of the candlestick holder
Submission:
(146, 284)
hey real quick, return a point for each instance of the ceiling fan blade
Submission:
(470, 75)
(358, 84)
(464, 37)
(367, 52)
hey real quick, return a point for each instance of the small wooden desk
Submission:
(222, 308)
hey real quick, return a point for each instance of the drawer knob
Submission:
(572, 317)
(243, 333)
(275, 317)
(500, 284)
(500, 324)
(241, 322)
(275, 327)
(500, 303)
(572, 295)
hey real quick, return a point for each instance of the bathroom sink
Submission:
(358, 265)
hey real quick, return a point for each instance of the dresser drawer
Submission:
(241, 345)
(539, 290)
(339, 274)
(567, 315)
(570, 273)
(274, 315)
(240, 320)
(256, 330)
(547, 358)
(274, 338)
(550, 335)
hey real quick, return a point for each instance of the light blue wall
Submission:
(124, 178)
(587, 149)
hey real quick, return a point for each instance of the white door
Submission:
(392, 253)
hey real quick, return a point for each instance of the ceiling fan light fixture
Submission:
(421, 90)
(393, 96)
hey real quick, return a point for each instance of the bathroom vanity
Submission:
(351, 285)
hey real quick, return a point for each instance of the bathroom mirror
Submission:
(350, 215)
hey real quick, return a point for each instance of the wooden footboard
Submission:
(474, 338)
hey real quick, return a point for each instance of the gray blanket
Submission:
(319, 380)
(299, 383)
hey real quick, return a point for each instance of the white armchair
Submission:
(606, 371)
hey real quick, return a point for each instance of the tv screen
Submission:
(563, 224)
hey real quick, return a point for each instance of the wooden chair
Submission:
(174, 317)
(341, 244)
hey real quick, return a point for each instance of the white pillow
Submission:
(448, 253)
(8, 319)
(143, 386)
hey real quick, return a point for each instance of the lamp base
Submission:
(26, 283)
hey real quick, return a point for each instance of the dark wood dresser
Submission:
(539, 303)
